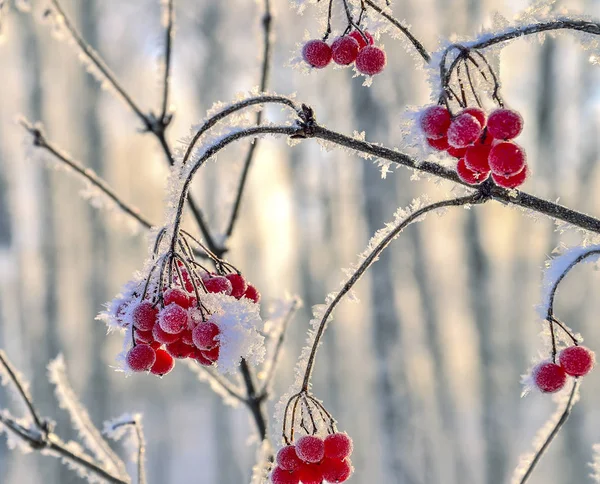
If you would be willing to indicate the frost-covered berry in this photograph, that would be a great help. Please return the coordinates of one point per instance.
(469, 176)
(252, 294)
(505, 124)
(476, 158)
(162, 336)
(310, 448)
(435, 121)
(511, 181)
(336, 470)
(506, 158)
(164, 363)
(477, 113)
(173, 319)
(200, 358)
(316, 53)
(238, 285)
(144, 316)
(549, 377)
(456, 152)
(371, 60)
(288, 459)
(178, 349)
(362, 43)
(576, 360)
(218, 284)
(143, 336)
(155, 345)
(440, 144)
(344, 50)
(140, 357)
(464, 130)
(204, 335)
(186, 337)
(338, 446)
(282, 476)
(177, 296)
(212, 355)
(310, 473)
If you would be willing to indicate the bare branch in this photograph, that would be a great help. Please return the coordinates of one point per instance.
(170, 17)
(136, 424)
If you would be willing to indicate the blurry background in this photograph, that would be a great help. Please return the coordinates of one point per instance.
(424, 372)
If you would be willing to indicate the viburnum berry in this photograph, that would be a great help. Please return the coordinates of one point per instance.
(282, 476)
(317, 53)
(310, 448)
(143, 336)
(338, 445)
(200, 358)
(310, 473)
(477, 113)
(362, 43)
(344, 50)
(252, 294)
(238, 285)
(212, 355)
(506, 158)
(371, 60)
(336, 470)
(140, 357)
(549, 377)
(288, 459)
(155, 345)
(177, 296)
(178, 349)
(456, 152)
(164, 363)
(576, 360)
(173, 319)
(440, 144)
(464, 130)
(144, 316)
(505, 124)
(476, 158)
(204, 335)
(186, 337)
(218, 284)
(162, 336)
(511, 181)
(469, 176)
(435, 121)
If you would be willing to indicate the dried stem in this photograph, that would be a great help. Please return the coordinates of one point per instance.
(141, 453)
(168, 51)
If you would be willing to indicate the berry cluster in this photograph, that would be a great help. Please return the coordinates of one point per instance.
(574, 361)
(356, 47)
(178, 325)
(483, 144)
(313, 460)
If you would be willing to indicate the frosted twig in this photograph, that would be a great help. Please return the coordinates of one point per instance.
(222, 382)
(136, 424)
(169, 14)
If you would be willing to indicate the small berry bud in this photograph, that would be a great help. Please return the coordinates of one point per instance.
(576, 360)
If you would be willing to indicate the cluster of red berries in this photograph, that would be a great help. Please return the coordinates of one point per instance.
(575, 361)
(314, 460)
(483, 144)
(179, 328)
(355, 47)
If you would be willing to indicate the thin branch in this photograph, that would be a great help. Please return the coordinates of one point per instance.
(561, 421)
(139, 433)
(403, 28)
(254, 402)
(223, 383)
(168, 51)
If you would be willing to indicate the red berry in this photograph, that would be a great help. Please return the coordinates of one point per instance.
(212, 355)
(204, 335)
(287, 458)
(440, 144)
(469, 176)
(164, 363)
(310, 474)
(477, 113)
(486, 138)
(143, 336)
(338, 446)
(435, 121)
(505, 124)
(140, 357)
(456, 152)
(144, 316)
(511, 181)
(576, 360)
(252, 294)
(238, 285)
(178, 349)
(476, 158)
(155, 345)
(310, 448)
(344, 50)
(173, 319)
(218, 284)
(464, 130)
(200, 358)
(370, 60)
(549, 377)
(186, 337)
(336, 470)
(316, 53)
(282, 476)
(163, 337)
(176, 296)
(506, 159)
(356, 35)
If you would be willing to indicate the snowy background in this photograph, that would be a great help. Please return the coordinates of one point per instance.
(424, 373)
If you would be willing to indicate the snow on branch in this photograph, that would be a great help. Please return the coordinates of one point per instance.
(128, 425)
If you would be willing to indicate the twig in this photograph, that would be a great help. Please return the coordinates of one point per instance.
(254, 401)
(168, 51)
(139, 433)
